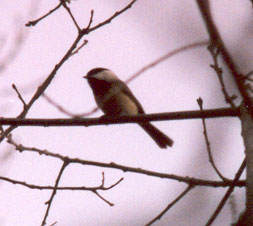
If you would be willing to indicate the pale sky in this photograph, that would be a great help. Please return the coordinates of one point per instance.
(145, 32)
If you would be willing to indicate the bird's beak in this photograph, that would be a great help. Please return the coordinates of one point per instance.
(85, 77)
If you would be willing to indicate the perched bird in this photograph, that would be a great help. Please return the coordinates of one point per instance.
(114, 98)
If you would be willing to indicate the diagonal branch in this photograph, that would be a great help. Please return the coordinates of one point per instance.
(49, 202)
(86, 31)
(63, 2)
(217, 41)
(167, 56)
(228, 193)
(72, 188)
(171, 204)
(208, 146)
(219, 73)
(19, 95)
(34, 22)
(51, 76)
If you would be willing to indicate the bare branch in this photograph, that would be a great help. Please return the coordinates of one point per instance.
(51, 76)
(91, 19)
(208, 145)
(167, 56)
(219, 73)
(66, 112)
(34, 22)
(49, 202)
(63, 2)
(107, 21)
(77, 188)
(108, 120)
(248, 75)
(170, 205)
(19, 95)
(59, 107)
(217, 41)
(188, 180)
(80, 47)
(226, 196)
(101, 197)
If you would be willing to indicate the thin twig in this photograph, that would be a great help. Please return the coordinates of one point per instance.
(51, 76)
(107, 21)
(58, 106)
(208, 145)
(91, 19)
(19, 96)
(248, 75)
(66, 112)
(226, 196)
(219, 73)
(101, 197)
(171, 204)
(112, 165)
(53, 224)
(34, 22)
(216, 40)
(49, 202)
(70, 13)
(80, 47)
(65, 188)
(167, 56)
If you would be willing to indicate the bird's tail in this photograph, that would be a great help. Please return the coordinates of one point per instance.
(159, 137)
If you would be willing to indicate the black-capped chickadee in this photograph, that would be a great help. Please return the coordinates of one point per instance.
(114, 97)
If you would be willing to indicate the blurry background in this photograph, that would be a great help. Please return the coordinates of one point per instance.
(145, 32)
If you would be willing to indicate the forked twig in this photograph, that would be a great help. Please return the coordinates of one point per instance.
(226, 196)
(49, 202)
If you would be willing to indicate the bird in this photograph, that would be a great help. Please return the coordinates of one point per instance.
(114, 98)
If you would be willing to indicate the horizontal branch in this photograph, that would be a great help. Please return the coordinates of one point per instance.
(189, 180)
(211, 113)
(48, 187)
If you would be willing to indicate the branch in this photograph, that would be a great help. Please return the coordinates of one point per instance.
(47, 82)
(70, 13)
(247, 134)
(217, 41)
(49, 202)
(171, 204)
(219, 73)
(208, 145)
(33, 23)
(80, 47)
(211, 113)
(167, 56)
(86, 31)
(19, 96)
(112, 165)
(226, 196)
(77, 188)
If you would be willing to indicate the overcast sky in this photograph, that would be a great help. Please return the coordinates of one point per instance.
(136, 38)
